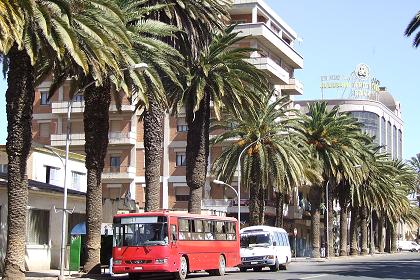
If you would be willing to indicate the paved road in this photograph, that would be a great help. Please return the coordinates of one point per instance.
(398, 266)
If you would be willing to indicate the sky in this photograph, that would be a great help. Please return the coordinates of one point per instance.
(337, 36)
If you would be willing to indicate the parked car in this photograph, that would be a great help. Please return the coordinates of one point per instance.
(408, 246)
(264, 246)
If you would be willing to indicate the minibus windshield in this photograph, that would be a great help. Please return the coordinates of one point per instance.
(255, 240)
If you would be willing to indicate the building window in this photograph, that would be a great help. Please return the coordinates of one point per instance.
(115, 163)
(181, 125)
(394, 143)
(44, 98)
(78, 98)
(38, 227)
(77, 179)
(52, 175)
(389, 137)
(399, 144)
(370, 123)
(180, 159)
(182, 193)
(44, 130)
(383, 134)
(3, 168)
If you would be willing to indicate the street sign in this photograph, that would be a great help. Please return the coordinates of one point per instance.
(295, 231)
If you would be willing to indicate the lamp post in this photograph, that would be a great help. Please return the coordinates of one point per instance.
(138, 67)
(327, 234)
(218, 182)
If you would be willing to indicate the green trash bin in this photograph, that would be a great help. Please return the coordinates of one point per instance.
(75, 248)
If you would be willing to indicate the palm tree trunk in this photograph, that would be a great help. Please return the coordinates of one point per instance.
(388, 237)
(96, 123)
(394, 238)
(354, 234)
(19, 104)
(315, 198)
(381, 237)
(153, 139)
(279, 209)
(343, 229)
(197, 152)
(364, 229)
(330, 222)
(261, 208)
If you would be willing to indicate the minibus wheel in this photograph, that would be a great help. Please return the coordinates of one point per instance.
(181, 274)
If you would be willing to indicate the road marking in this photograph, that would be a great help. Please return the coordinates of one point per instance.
(314, 276)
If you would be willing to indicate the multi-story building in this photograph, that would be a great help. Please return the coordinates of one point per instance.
(124, 175)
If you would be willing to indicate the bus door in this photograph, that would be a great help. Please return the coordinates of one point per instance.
(173, 242)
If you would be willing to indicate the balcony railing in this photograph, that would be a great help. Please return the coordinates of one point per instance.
(119, 172)
(122, 138)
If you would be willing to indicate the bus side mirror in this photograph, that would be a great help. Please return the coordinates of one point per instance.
(274, 243)
(174, 237)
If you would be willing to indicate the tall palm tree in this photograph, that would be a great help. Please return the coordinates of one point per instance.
(41, 27)
(333, 137)
(273, 162)
(195, 22)
(412, 28)
(106, 46)
(220, 75)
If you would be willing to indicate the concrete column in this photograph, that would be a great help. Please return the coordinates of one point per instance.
(165, 175)
(254, 15)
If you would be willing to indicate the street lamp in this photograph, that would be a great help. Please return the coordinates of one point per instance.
(218, 182)
(138, 67)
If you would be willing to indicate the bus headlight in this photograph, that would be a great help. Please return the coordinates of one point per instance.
(161, 261)
(117, 261)
(269, 257)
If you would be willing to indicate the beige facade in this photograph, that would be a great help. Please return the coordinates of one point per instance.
(123, 175)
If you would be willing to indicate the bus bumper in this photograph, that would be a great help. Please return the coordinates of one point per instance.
(139, 268)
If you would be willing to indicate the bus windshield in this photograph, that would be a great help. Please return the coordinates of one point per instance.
(140, 231)
(255, 240)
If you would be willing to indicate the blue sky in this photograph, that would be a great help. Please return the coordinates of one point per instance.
(338, 35)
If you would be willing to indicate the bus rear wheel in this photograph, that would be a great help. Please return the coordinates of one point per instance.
(181, 274)
(222, 267)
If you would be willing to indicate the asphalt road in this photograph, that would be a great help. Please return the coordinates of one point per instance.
(397, 266)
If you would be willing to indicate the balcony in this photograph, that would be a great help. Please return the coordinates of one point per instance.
(118, 173)
(294, 87)
(269, 38)
(76, 139)
(79, 107)
(122, 138)
(216, 204)
(276, 72)
(293, 212)
(270, 208)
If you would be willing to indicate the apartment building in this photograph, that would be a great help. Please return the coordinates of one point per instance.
(123, 177)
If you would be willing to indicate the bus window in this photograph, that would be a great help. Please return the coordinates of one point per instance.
(184, 229)
(173, 233)
(220, 231)
(231, 230)
(197, 230)
(208, 229)
(277, 238)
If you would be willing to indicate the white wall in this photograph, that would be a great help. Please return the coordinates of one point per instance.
(41, 160)
(42, 257)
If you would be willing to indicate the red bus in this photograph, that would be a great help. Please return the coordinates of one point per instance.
(174, 242)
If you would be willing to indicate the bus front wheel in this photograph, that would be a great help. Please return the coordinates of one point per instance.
(181, 274)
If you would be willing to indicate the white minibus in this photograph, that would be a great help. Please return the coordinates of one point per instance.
(264, 246)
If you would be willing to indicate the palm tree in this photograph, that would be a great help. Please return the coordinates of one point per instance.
(195, 22)
(220, 75)
(412, 28)
(273, 162)
(105, 44)
(333, 136)
(37, 28)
